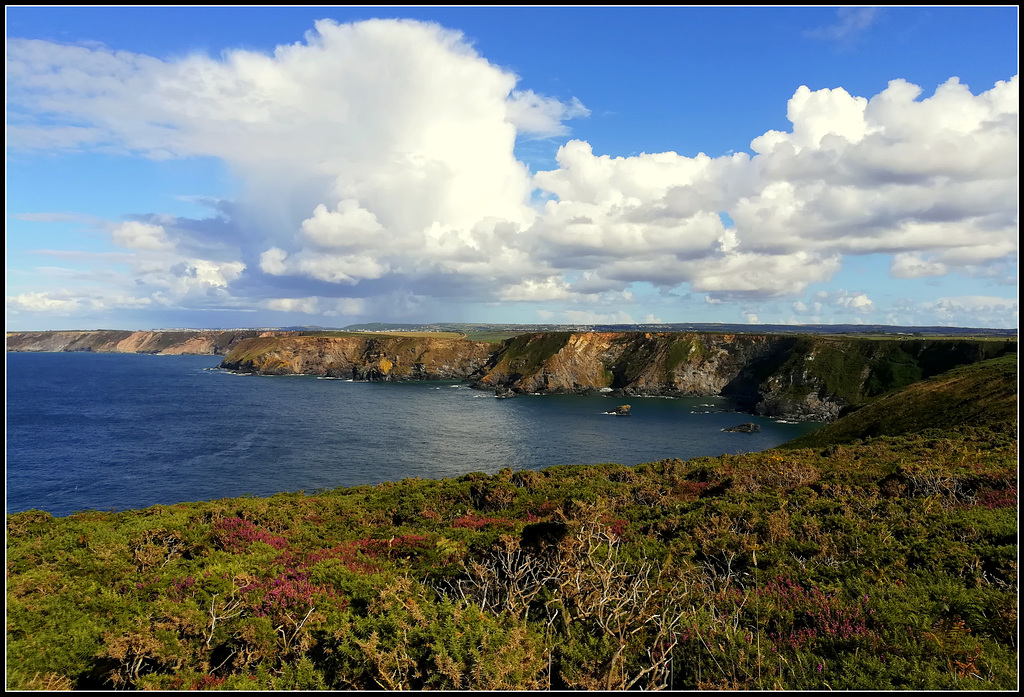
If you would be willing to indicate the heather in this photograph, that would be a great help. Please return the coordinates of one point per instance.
(887, 563)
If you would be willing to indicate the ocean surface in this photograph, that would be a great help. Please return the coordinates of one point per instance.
(120, 431)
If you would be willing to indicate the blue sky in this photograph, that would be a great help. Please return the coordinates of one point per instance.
(222, 167)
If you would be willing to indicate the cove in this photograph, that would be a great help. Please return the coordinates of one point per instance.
(125, 431)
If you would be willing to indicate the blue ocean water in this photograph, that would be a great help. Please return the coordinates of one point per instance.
(120, 431)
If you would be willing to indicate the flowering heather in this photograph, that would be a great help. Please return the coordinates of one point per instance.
(288, 592)
(235, 535)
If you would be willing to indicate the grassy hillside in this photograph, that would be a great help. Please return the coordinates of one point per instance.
(858, 370)
(983, 394)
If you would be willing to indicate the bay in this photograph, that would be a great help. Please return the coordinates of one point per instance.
(124, 431)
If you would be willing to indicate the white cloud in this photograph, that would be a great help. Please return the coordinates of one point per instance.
(855, 176)
(330, 307)
(542, 116)
(854, 302)
(811, 311)
(305, 305)
(42, 302)
(136, 235)
(536, 291)
(910, 265)
(346, 307)
(67, 302)
(590, 317)
(963, 311)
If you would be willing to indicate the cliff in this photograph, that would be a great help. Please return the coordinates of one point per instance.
(787, 376)
(214, 343)
(361, 357)
(631, 363)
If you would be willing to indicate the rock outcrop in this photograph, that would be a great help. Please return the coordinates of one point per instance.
(362, 357)
(743, 428)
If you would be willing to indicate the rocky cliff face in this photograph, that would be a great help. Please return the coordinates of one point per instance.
(633, 363)
(361, 357)
(185, 342)
(805, 378)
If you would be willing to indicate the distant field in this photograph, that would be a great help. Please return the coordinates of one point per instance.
(432, 335)
(930, 337)
(492, 337)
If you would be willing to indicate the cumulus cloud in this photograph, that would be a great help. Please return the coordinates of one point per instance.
(67, 303)
(136, 235)
(891, 174)
(42, 302)
(911, 265)
(331, 307)
(377, 160)
(541, 116)
(854, 302)
(536, 291)
(591, 317)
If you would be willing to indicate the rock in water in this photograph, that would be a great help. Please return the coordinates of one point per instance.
(621, 410)
(743, 428)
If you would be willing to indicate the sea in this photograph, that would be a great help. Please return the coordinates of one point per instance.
(94, 431)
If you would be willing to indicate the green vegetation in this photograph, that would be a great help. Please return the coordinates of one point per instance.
(525, 354)
(859, 370)
(251, 350)
(492, 337)
(983, 394)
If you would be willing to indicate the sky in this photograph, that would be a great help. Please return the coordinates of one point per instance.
(259, 167)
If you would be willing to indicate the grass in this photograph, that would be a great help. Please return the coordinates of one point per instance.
(526, 353)
(982, 394)
(491, 337)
